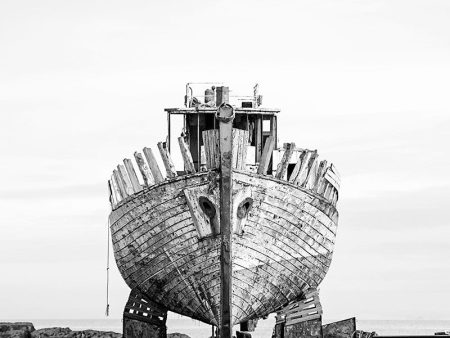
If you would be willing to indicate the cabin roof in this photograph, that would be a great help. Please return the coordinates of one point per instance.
(213, 110)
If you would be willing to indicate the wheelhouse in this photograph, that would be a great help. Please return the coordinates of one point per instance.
(199, 112)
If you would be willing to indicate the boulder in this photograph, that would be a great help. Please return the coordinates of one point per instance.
(16, 330)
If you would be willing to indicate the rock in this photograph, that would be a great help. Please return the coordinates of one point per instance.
(177, 335)
(60, 332)
(16, 330)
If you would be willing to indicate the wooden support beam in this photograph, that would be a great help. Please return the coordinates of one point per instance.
(225, 114)
(153, 165)
(187, 156)
(125, 179)
(144, 169)
(266, 155)
(282, 166)
(132, 175)
(167, 160)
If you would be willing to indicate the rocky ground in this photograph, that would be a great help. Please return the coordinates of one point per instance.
(27, 330)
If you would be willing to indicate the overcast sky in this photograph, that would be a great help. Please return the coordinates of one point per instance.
(83, 84)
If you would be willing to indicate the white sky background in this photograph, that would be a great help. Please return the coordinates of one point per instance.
(83, 84)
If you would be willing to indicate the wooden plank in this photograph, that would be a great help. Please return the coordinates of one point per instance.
(282, 166)
(125, 179)
(132, 175)
(112, 199)
(312, 173)
(241, 148)
(235, 149)
(332, 177)
(120, 184)
(147, 175)
(298, 166)
(187, 156)
(153, 165)
(319, 175)
(266, 155)
(303, 319)
(258, 139)
(116, 191)
(206, 149)
(303, 171)
(167, 160)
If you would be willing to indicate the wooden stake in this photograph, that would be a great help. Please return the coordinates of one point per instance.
(187, 156)
(120, 184)
(154, 168)
(125, 179)
(167, 160)
(132, 174)
(143, 168)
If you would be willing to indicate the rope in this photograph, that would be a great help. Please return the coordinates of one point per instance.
(107, 274)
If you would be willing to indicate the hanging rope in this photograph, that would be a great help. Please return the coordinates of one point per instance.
(107, 275)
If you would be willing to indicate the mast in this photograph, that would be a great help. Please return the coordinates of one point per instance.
(225, 115)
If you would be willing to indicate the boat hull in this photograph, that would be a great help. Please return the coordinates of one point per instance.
(167, 246)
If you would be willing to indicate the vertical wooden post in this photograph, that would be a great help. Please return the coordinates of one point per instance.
(225, 115)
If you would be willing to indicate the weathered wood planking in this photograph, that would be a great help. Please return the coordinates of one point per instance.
(125, 179)
(212, 148)
(284, 249)
(132, 175)
(144, 169)
(167, 160)
(187, 156)
(266, 155)
(153, 165)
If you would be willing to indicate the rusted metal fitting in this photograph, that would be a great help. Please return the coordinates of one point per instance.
(225, 113)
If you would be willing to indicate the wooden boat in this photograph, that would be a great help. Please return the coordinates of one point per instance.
(244, 229)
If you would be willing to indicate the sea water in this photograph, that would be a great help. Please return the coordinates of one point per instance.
(196, 329)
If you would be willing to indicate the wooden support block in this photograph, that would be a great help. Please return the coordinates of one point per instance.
(187, 156)
(266, 155)
(132, 175)
(120, 183)
(144, 169)
(282, 166)
(153, 165)
(167, 160)
(341, 329)
(258, 138)
(125, 179)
